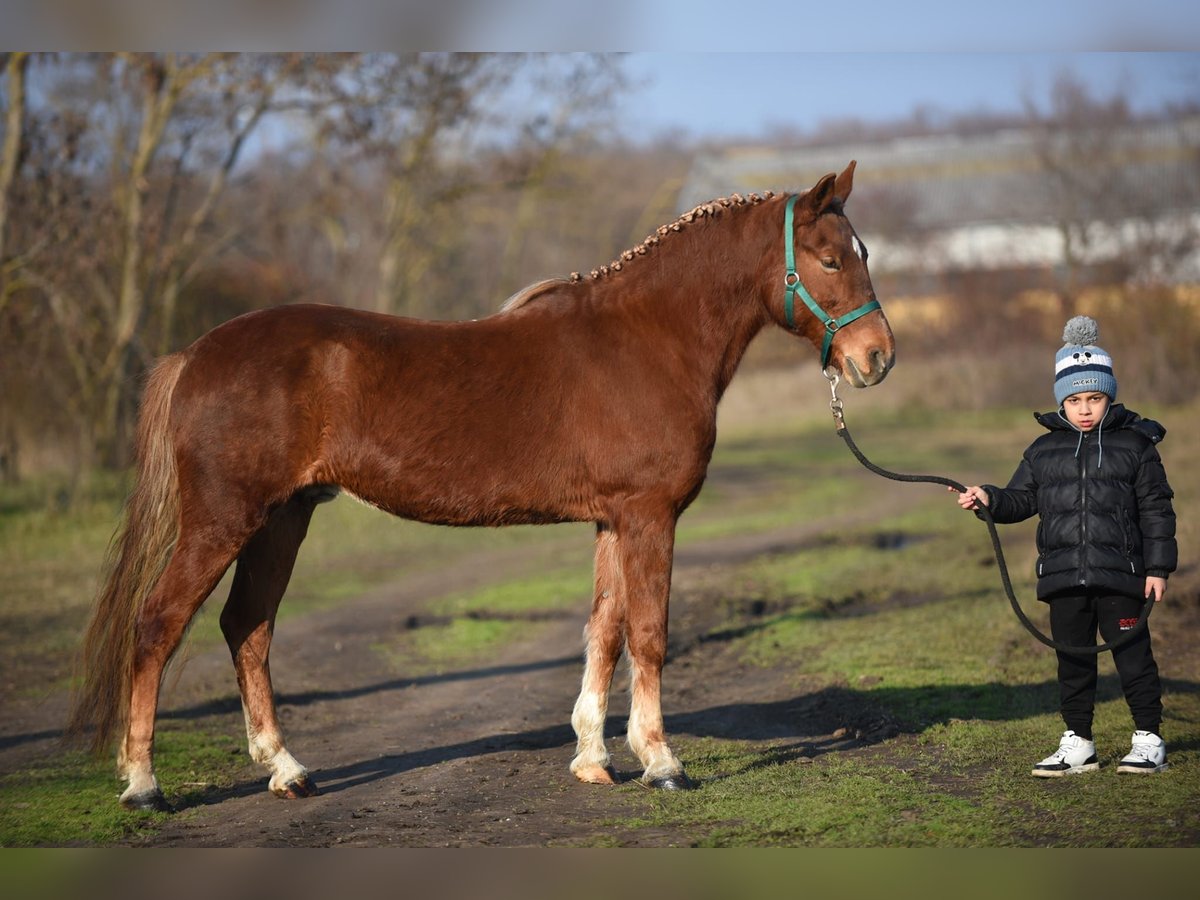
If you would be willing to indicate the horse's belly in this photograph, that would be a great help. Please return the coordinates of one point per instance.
(449, 498)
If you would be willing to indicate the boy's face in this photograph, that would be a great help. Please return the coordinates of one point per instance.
(1086, 411)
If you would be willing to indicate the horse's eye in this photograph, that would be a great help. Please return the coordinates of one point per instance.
(830, 264)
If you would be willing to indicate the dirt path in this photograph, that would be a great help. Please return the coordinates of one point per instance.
(479, 755)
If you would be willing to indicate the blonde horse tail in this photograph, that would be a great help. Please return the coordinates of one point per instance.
(137, 556)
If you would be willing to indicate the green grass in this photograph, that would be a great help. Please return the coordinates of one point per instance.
(435, 649)
(973, 697)
(466, 626)
(547, 592)
(847, 612)
(929, 793)
(764, 799)
(70, 798)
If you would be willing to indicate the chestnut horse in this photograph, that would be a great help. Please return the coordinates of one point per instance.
(584, 399)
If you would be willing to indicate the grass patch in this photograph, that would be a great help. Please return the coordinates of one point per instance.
(920, 634)
(468, 625)
(563, 589)
(442, 646)
(69, 799)
(917, 631)
(962, 784)
(911, 602)
(759, 798)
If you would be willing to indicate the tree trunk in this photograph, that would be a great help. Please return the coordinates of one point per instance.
(10, 153)
(118, 382)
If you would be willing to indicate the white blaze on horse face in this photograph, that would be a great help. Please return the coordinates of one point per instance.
(858, 247)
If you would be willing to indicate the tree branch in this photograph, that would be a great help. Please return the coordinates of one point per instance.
(14, 122)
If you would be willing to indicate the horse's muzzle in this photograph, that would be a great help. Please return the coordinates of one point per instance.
(877, 364)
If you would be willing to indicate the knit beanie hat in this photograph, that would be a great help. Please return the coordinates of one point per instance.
(1080, 366)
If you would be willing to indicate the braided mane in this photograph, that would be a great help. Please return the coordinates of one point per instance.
(704, 210)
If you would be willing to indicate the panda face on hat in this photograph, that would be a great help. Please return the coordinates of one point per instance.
(1080, 365)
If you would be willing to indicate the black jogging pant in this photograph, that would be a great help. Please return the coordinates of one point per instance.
(1073, 620)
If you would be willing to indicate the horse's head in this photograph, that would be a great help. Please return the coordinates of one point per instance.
(825, 292)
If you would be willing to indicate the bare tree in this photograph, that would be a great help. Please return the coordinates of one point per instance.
(134, 153)
(14, 65)
(551, 148)
(118, 205)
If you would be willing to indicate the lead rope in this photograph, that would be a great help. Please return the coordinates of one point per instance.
(839, 420)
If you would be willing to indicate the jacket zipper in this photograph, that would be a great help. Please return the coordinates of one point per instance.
(1084, 511)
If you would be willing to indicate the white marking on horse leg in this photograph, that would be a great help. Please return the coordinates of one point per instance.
(591, 755)
(603, 639)
(267, 748)
(138, 773)
(647, 737)
(142, 783)
(288, 774)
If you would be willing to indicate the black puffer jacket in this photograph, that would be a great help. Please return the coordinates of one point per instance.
(1104, 502)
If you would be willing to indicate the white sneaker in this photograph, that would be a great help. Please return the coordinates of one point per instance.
(1149, 754)
(1073, 756)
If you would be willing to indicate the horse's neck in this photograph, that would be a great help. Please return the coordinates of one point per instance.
(703, 296)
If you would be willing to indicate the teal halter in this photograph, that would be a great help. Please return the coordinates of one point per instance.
(792, 287)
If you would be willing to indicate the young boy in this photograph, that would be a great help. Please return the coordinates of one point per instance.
(1106, 544)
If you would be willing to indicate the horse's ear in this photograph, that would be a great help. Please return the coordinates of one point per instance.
(845, 182)
(817, 199)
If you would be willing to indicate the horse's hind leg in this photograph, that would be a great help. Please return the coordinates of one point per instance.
(197, 563)
(264, 568)
(604, 636)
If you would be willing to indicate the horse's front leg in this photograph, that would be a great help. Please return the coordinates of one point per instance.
(645, 547)
(604, 635)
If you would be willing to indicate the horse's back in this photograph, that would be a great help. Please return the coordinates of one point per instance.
(440, 421)
(496, 421)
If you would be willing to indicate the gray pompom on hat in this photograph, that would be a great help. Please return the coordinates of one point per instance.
(1081, 366)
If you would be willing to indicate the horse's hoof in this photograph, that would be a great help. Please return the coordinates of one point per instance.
(294, 790)
(597, 775)
(147, 801)
(676, 782)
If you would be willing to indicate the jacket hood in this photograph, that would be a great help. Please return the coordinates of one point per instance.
(1117, 418)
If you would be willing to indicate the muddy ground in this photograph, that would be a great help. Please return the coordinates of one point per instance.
(478, 755)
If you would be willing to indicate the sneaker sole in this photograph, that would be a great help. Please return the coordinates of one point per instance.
(1139, 770)
(1058, 773)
